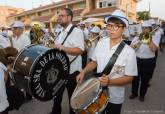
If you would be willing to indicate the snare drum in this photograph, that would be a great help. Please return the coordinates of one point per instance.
(89, 97)
(41, 71)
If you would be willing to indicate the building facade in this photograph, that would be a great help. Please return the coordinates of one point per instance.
(81, 9)
(6, 11)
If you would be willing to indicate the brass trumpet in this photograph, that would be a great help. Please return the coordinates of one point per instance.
(144, 38)
(88, 42)
(147, 38)
(49, 41)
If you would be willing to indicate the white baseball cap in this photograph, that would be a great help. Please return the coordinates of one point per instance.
(18, 24)
(146, 24)
(152, 21)
(95, 29)
(120, 15)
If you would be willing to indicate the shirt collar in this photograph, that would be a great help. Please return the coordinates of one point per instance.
(115, 46)
(68, 27)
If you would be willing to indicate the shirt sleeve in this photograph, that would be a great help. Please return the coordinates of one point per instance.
(78, 39)
(156, 39)
(4, 42)
(131, 65)
(135, 40)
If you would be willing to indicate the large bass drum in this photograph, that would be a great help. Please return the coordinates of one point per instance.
(41, 71)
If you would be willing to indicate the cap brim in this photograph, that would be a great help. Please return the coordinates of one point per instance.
(125, 20)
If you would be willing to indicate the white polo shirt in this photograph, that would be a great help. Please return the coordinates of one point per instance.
(125, 65)
(3, 97)
(75, 39)
(21, 42)
(4, 42)
(144, 52)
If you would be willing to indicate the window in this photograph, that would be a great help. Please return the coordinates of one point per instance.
(100, 5)
(106, 3)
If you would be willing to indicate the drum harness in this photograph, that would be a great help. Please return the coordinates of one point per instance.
(112, 60)
(71, 29)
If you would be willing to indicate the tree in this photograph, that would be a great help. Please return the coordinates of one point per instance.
(143, 15)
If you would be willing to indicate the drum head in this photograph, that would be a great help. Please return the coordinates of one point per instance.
(85, 94)
(48, 74)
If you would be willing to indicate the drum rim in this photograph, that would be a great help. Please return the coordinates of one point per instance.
(94, 99)
(33, 64)
(98, 95)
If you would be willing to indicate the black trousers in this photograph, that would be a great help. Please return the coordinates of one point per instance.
(145, 71)
(112, 109)
(71, 84)
(4, 112)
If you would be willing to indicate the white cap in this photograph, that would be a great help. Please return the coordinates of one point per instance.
(95, 29)
(152, 21)
(44, 30)
(82, 23)
(120, 15)
(130, 22)
(18, 24)
(146, 24)
(57, 30)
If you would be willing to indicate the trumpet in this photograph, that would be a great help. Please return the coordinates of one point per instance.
(144, 38)
(49, 41)
(147, 38)
(88, 42)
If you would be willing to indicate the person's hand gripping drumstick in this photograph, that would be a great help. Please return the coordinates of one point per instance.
(104, 80)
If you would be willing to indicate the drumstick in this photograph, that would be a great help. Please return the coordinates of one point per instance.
(88, 88)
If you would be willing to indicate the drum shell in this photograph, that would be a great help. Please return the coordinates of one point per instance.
(89, 97)
(23, 65)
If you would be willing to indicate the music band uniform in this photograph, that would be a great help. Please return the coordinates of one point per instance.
(124, 69)
(74, 40)
(146, 61)
(3, 96)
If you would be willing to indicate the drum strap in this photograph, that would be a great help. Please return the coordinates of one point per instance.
(113, 59)
(71, 29)
(11, 41)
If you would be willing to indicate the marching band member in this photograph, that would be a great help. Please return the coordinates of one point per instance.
(19, 39)
(94, 33)
(4, 41)
(123, 70)
(84, 29)
(146, 61)
(6, 58)
(71, 41)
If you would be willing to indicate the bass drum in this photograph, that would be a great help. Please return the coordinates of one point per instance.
(41, 71)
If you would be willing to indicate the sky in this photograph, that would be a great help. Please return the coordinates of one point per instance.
(157, 7)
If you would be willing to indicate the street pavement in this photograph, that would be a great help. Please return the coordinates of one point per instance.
(154, 101)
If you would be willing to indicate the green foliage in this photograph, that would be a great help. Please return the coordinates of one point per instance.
(143, 15)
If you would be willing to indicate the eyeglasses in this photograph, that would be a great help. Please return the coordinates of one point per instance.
(113, 27)
(15, 28)
(62, 15)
